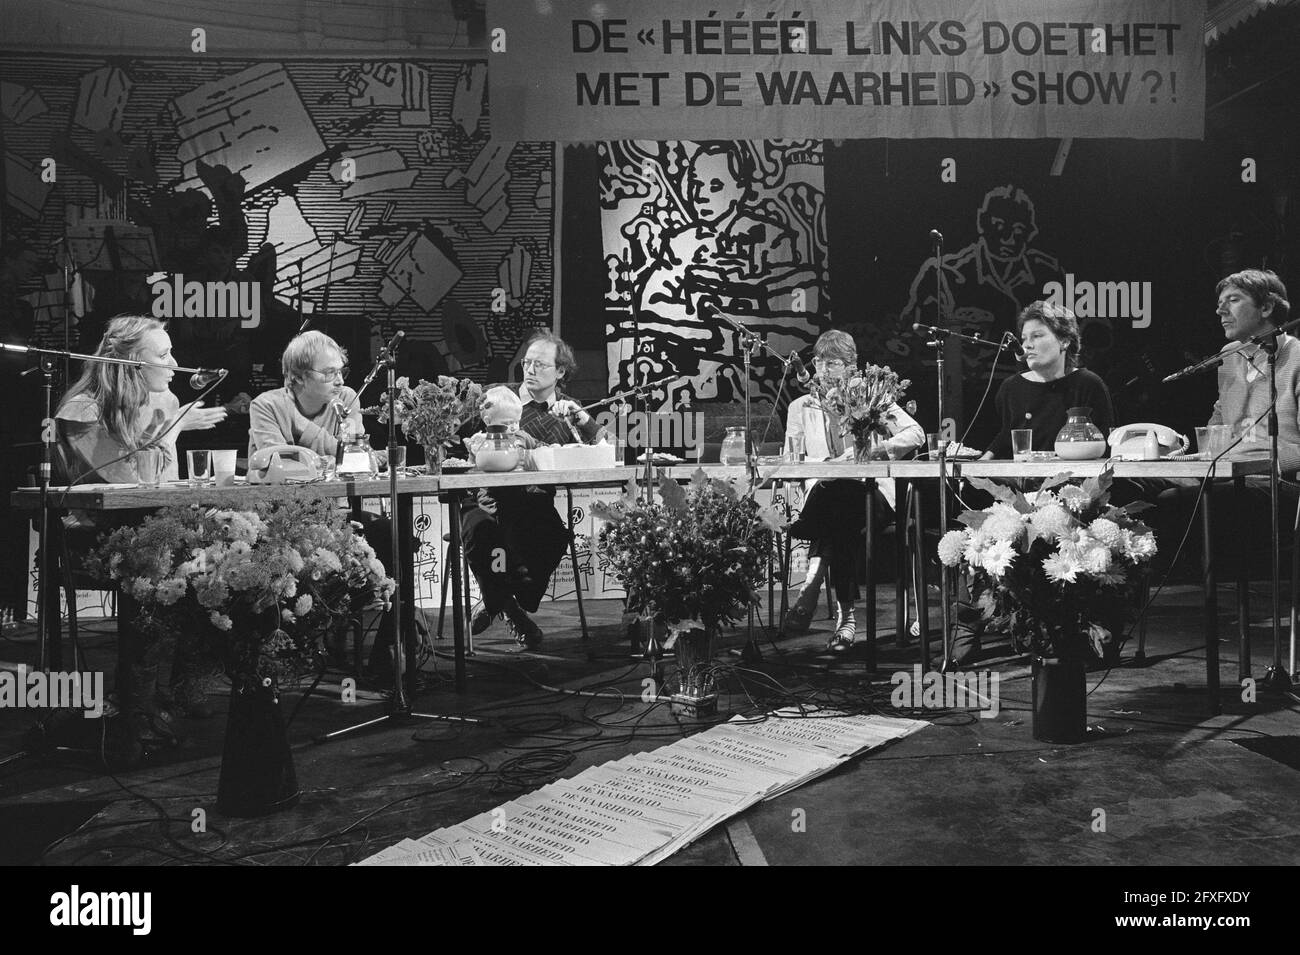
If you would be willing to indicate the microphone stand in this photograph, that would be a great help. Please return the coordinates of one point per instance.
(938, 338)
(399, 704)
(1275, 676)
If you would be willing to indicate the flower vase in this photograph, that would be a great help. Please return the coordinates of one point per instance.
(869, 446)
(257, 774)
(696, 693)
(1060, 700)
(433, 459)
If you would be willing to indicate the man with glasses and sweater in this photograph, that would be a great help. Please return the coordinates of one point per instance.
(522, 523)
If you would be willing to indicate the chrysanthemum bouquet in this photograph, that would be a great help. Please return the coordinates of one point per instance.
(694, 559)
(267, 584)
(1060, 573)
(861, 400)
(433, 411)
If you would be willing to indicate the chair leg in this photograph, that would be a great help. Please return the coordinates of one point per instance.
(446, 579)
(1145, 595)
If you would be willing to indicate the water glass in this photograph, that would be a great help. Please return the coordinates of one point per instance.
(200, 467)
(1202, 440)
(149, 466)
(932, 444)
(223, 465)
(1218, 438)
(794, 448)
(1022, 444)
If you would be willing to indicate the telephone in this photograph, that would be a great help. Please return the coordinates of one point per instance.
(282, 463)
(1128, 441)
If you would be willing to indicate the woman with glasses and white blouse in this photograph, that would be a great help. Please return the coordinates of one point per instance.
(834, 512)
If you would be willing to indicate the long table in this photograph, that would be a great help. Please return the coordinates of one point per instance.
(1234, 470)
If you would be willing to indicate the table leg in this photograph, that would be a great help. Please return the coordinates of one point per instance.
(457, 600)
(869, 532)
(900, 563)
(923, 585)
(573, 559)
(1243, 586)
(1211, 604)
(404, 528)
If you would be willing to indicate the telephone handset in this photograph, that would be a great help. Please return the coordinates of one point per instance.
(1130, 440)
(282, 463)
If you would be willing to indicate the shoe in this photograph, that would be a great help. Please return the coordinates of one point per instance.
(526, 633)
(844, 635)
(480, 620)
(799, 617)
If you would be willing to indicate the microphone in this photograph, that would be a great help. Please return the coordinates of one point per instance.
(391, 347)
(206, 376)
(936, 235)
(801, 373)
(929, 329)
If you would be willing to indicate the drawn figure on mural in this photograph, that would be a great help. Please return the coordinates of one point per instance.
(726, 245)
(986, 284)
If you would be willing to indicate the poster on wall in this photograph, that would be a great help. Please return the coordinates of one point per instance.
(574, 71)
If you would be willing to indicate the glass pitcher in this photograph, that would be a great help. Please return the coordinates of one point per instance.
(356, 458)
(733, 447)
(499, 450)
(1080, 439)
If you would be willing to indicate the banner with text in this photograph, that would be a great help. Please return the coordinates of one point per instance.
(565, 70)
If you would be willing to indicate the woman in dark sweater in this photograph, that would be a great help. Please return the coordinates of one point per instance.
(1040, 397)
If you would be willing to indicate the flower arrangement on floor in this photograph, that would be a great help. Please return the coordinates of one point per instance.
(694, 559)
(1060, 573)
(432, 412)
(861, 400)
(267, 584)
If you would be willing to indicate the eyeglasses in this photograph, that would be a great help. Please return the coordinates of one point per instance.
(534, 363)
(329, 374)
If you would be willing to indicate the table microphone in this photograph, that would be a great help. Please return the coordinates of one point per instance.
(801, 373)
(206, 376)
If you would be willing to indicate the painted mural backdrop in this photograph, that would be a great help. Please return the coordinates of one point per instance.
(692, 230)
(369, 189)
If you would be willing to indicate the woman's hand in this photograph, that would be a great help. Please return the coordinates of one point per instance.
(200, 418)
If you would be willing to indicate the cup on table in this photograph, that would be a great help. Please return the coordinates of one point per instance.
(396, 458)
(932, 445)
(1203, 440)
(794, 448)
(1022, 444)
(223, 466)
(1218, 437)
(199, 467)
(148, 466)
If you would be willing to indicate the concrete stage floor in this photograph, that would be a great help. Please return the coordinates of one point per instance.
(1157, 782)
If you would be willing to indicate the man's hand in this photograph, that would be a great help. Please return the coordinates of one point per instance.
(238, 404)
(566, 407)
(201, 419)
(486, 501)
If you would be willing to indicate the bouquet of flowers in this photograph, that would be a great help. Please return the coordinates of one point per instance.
(433, 411)
(693, 561)
(266, 584)
(861, 400)
(1060, 573)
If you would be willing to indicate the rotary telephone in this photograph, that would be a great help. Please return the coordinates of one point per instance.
(1128, 441)
(282, 463)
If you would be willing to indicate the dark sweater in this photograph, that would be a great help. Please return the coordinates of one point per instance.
(1042, 406)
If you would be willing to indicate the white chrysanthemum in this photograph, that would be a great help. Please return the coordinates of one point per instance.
(1004, 527)
(1074, 497)
(975, 544)
(220, 620)
(1061, 568)
(951, 547)
(1052, 522)
(141, 589)
(998, 557)
(1095, 559)
(1106, 531)
(302, 605)
(1140, 546)
(170, 591)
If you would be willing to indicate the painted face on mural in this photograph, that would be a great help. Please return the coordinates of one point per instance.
(1006, 228)
(713, 190)
(1240, 317)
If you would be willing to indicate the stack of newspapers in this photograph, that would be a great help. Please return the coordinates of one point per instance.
(641, 809)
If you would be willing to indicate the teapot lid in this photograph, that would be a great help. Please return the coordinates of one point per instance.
(1082, 410)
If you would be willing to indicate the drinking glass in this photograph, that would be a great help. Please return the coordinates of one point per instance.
(223, 464)
(148, 466)
(794, 448)
(1022, 444)
(200, 467)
